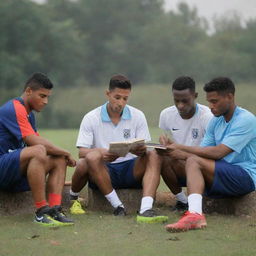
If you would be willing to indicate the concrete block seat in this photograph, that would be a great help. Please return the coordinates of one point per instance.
(239, 206)
(131, 198)
(22, 202)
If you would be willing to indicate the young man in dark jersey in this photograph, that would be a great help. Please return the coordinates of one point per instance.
(26, 158)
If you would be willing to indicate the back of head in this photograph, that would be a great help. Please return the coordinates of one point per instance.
(221, 85)
(119, 81)
(37, 81)
(183, 83)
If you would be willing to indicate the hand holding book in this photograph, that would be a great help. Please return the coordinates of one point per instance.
(122, 148)
(160, 148)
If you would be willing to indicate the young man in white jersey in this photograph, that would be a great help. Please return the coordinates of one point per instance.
(116, 121)
(186, 122)
(224, 165)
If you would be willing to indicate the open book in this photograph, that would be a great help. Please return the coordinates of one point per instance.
(122, 148)
(155, 146)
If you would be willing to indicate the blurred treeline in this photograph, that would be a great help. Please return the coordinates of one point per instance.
(81, 43)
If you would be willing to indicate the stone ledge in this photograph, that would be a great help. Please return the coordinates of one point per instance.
(131, 198)
(20, 203)
(239, 206)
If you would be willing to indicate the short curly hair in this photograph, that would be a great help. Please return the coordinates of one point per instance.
(220, 85)
(38, 80)
(183, 83)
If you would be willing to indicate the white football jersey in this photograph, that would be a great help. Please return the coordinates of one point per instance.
(188, 132)
(97, 130)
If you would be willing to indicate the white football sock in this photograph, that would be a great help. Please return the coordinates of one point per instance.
(195, 203)
(146, 203)
(181, 197)
(73, 195)
(114, 200)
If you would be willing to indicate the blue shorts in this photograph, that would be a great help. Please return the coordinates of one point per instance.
(11, 178)
(229, 180)
(121, 175)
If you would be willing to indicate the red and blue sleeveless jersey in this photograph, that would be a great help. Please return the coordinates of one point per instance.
(15, 124)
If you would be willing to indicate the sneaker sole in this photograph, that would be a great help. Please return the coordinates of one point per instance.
(49, 224)
(77, 213)
(158, 219)
(177, 230)
(63, 224)
(54, 224)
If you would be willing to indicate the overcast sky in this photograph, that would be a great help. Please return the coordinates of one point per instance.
(208, 8)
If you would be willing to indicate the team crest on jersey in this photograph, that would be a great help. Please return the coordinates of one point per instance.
(127, 133)
(195, 133)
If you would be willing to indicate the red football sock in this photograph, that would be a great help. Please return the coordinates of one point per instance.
(54, 199)
(40, 204)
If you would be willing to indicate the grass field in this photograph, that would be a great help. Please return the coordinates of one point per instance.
(101, 234)
(67, 107)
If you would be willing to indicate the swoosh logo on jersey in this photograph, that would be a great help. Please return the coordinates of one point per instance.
(175, 129)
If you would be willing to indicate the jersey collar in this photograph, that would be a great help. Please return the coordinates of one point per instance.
(126, 114)
(20, 100)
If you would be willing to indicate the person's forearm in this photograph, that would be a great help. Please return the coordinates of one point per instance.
(84, 151)
(205, 152)
(51, 149)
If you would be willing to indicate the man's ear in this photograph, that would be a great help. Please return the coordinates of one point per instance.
(230, 96)
(107, 93)
(28, 91)
(196, 95)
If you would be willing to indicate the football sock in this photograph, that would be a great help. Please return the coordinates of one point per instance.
(146, 203)
(114, 200)
(181, 197)
(40, 204)
(73, 195)
(195, 203)
(54, 199)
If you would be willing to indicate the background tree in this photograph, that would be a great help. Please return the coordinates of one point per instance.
(81, 43)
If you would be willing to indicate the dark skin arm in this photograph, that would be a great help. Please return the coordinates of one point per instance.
(212, 152)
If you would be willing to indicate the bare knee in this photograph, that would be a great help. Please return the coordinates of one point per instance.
(154, 159)
(154, 156)
(95, 164)
(81, 167)
(39, 153)
(57, 161)
(192, 160)
(93, 158)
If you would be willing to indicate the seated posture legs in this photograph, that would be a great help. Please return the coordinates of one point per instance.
(133, 173)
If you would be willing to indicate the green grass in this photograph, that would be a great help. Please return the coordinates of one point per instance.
(100, 234)
(103, 234)
(151, 99)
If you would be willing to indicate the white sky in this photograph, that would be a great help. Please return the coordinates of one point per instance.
(208, 8)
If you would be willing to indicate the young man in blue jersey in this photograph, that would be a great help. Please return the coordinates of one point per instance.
(224, 165)
(26, 158)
